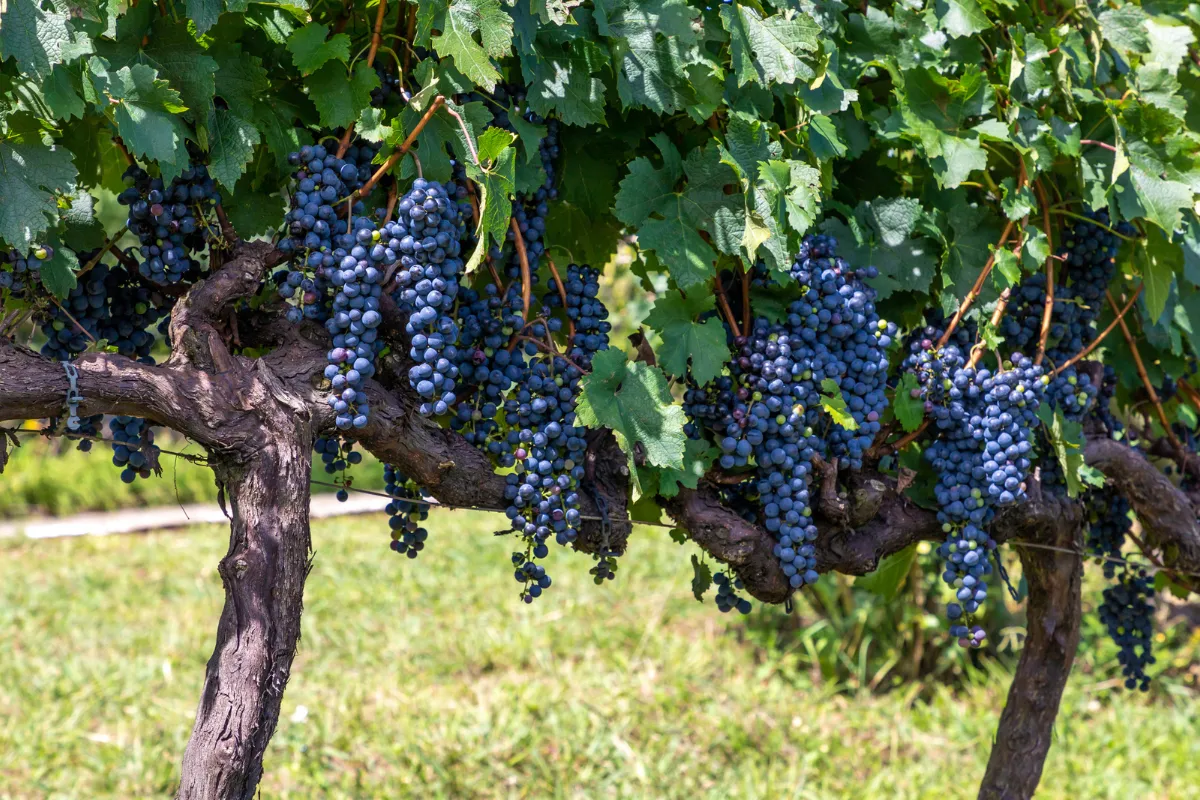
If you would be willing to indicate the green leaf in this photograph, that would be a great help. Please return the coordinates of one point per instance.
(241, 79)
(38, 39)
(1162, 200)
(1157, 259)
(642, 191)
(146, 113)
(1168, 42)
(974, 231)
(58, 274)
(653, 44)
(465, 18)
(701, 578)
(1006, 268)
(633, 399)
(495, 181)
(1124, 28)
(771, 49)
(793, 189)
(311, 47)
(697, 460)
(1016, 204)
(673, 316)
(1066, 440)
(690, 259)
(82, 230)
(182, 63)
(204, 13)
(908, 266)
(31, 175)
(584, 238)
(61, 95)
(890, 575)
(824, 140)
(909, 410)
(833, 402)
(961, 17)
(564, 84)
(231, 145)
(340, 98)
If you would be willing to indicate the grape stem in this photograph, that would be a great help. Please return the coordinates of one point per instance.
(344, 142)
(1048, 308)
(745, 299)
(1110, 148)
(562, 295)
(523, 256)
(973, 294)
(395, 157)
(227, 232)
(1141, 370)
(723, 301)
(82, 329)
(391, 204)
(1084, 353)
(1097, 223)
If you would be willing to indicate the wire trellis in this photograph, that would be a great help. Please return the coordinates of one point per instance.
(196, 458)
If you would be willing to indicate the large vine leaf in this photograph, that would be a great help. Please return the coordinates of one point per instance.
(145, 110)
(684, 339)
(463, 19)
(632, 398)
(38, 39)
(31, 175)
(769, 49)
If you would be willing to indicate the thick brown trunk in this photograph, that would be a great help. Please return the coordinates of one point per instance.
(263, 575)
(1027, 723)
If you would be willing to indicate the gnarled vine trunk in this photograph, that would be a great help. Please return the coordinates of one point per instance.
(1027, 722)
(263, 574)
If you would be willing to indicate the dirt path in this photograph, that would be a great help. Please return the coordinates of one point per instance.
(135, 520)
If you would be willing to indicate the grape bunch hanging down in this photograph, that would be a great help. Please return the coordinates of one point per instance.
(133, 447)
(171, 222)
(405, 513)
(16, 268)
(767, 412)
(427, 238)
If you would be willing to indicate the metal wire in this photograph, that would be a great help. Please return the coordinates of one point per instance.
(1149, 567)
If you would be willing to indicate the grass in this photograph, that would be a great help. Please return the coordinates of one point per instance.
(54, 478)
(428, 679)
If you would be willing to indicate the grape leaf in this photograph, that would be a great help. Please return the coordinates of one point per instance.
(495, 180)
(1066, 440)
(1157, 259)
(701, 578)
(909, 410)
(58, 273)
(564, 83)
(690, 259)
(673, 316)
(61, 95)
(241, 79)
(1161, 200)
(31, 174)
(890, 575)
(769, 49)
(81, 229)
(653, 45)
(231, 145)
(145, 111)
(961, 17)
(642, 191)
(461, 21)
(311, 49)
(698, 458)
(833, 402)
(204, 13)
(633, 399)
(181, 62)
(909, 266)
(793, 189)
(340, 98)
(38, 39)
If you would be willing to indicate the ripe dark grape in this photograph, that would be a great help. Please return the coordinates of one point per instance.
(133, 447)
(727, 594)
(172, 222)
(405, 514)
(1129, 616)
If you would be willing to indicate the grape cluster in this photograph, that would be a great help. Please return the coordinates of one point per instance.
(354, 319)
(727, 594)
(848, 338)
(318, 223)
(767, 412)
(132, 311)
(132, 439)
(171, 222)
(20, 268)
(336, 454)
(389, 85)
(427, 237)
(1129, 616)
(405, 514)
(71, 325)
(984, 423)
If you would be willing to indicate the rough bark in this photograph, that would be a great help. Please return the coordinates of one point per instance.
(263, 574)
(1027, 722)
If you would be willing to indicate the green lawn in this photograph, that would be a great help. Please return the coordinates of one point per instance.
(428, 679)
